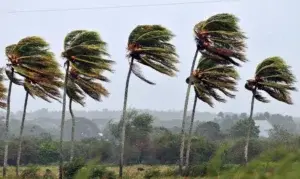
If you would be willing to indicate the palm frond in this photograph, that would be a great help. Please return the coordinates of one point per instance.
(150, 45)
(88, 57)
(211, 79)
(31, 59)
(274, 77)
(221, 35)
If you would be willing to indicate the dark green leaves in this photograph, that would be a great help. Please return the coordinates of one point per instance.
(88, 57)
(210, 80)
(31, 59)
(150, 45)
(274, 77)
(221, 35)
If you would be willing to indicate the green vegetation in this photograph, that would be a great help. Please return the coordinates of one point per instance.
(231, 148)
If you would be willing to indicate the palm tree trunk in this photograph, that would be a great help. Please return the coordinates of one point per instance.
(21, 134)
(7, 129)
(249, 127)
(73, 130)
(190, 134)
(185, 113)
(123, 122)
(62, 125)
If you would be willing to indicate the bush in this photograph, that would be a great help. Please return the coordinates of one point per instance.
(30, 173)
(102, 172)
(49, 174)
(70, 169)
(197, 170)
(152, 173)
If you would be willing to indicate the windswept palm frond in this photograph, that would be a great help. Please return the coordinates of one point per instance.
(221, 36)
(210, 80)
(87, 55)
(274, 77)
(150, 45)
(31, 59)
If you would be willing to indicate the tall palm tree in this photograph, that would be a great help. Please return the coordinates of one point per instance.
(30, 58)
(274, 77)
(78, 86)
(148, 45)
(85, 54)
(210, 79)
(221, 38)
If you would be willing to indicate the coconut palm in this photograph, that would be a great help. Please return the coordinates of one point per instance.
(3, 90)
(86, 57)
(148, 45)
(78, 86)
(209, 80)
(30, 58)
(220, 37)
(274, 77)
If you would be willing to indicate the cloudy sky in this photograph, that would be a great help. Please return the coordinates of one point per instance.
(271, 25)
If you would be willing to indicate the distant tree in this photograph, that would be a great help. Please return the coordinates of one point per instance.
(148, 45)
(209, 130)
(274, 77)
(221, 38)
(239, 130)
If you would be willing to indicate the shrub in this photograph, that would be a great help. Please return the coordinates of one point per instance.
(30, 173)
(152, 173)
(70, 169)
(101, 172)
(49, 174)
(197, 170)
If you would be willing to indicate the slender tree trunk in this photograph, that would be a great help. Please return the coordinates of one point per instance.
(123, 121)
(185, 113)
(21, 135)
(6, 132)
(249, 127)
(62, 125)
(73, 130)
(187, 161)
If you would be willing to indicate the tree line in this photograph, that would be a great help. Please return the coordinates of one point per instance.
(219, 40)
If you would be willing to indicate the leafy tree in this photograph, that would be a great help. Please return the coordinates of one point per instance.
(210, 130)
(208, 80)
(274, 77)
(240, 128)
(221, 38)
(148, 45)
(30, 58)
(85, 53)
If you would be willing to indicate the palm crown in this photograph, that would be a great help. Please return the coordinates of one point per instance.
(274, 77)
(221, 37)
(150, 45)
(87, 55)
(31, 59)
(210, 78)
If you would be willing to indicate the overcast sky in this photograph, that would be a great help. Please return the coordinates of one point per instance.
(272, 27)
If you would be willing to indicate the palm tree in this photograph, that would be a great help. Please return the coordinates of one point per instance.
(30, 58)
(85, 53)
(78, 86)
(274, 77)
(148, 45)
(208, 80)
(221, 38)
(3, 91)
